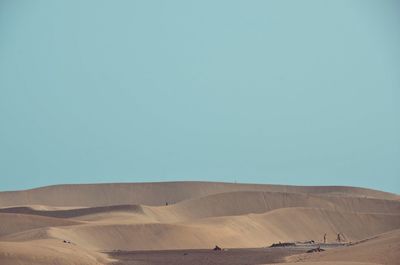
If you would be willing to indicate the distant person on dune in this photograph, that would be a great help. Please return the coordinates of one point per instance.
(339, 239)
(324, 238)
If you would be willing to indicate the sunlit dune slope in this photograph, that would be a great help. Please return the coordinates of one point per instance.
(381, 249)
(103, 217)
(222, 204)
(244, 202)
(47, 252)
(253, 230)
(13, 223)
(158, 193)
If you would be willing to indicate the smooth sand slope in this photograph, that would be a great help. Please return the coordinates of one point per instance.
(14, 223)
(253, 230)
(48, 251)
(381, 249)
(107, 217)
(158, 193)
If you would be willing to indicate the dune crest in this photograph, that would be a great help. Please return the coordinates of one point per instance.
(82, 221)
(158, 193)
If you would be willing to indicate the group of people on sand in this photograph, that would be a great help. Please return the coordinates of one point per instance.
(339, 237)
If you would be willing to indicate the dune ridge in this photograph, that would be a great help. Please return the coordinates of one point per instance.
(70, 213)
(134, 216)
(253, 230)
(158, 193)
(222, 204)
(13, 223)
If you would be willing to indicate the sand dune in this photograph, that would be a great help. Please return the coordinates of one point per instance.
(106, 217)
(244, 202)
(39, 252)
(74, 212)
(254, 230)
(222, 204)
(158, 193)
(13, 223)
(381, 249)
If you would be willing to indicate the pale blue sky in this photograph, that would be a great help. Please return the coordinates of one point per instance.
(290, 92)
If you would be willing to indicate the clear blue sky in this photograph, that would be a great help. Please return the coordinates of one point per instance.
(290, 92)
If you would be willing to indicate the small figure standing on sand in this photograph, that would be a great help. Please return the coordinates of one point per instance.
(339, 239)
(324, 238)
(166, 203)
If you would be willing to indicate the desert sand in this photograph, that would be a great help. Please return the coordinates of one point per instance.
(83, 224)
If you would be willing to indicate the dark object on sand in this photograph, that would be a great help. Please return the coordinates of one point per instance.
(318, 249)
(67, 242)
(307, 242)
(284, 244)
(217, 248)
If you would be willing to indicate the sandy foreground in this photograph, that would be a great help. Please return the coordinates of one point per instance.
(180, 222)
